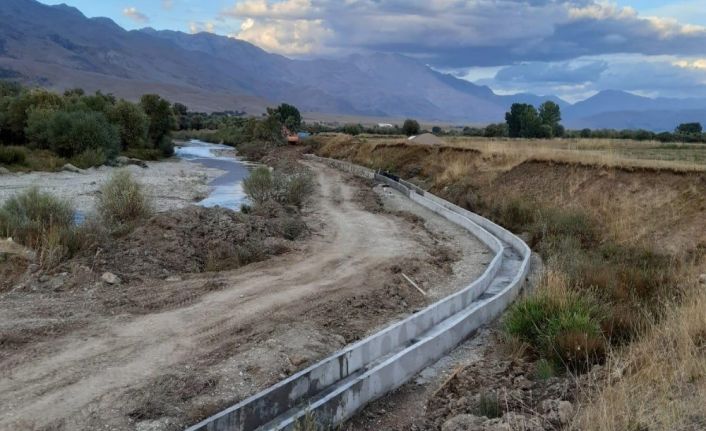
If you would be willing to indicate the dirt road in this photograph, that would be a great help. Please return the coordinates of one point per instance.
(258, 324)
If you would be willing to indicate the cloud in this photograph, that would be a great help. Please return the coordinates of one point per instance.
(665, 76)
(136, 15)
(199, 27)
(459, 33)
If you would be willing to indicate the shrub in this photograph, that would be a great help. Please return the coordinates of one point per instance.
(298, 188)
(91, 158)
(29, 215)
(123, 202)
(13, 155)
(260, 186)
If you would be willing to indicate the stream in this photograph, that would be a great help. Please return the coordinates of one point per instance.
(227, 190)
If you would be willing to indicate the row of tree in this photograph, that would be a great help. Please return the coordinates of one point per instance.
(74, 123)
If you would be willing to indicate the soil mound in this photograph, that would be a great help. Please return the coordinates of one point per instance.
(197, 239)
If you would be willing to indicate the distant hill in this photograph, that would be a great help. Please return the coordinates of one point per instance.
(58, 47)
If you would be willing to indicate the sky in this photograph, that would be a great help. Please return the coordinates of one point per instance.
(569, 48)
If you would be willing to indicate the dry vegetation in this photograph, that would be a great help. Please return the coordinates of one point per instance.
(621, 226)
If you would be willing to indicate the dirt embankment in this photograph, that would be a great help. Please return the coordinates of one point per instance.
(165, 349)
(658, 207)
(636, 211)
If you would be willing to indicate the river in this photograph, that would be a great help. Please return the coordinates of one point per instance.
(227, 190)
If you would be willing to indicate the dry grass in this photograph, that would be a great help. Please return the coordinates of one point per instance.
(621, 153)
(647, 203)
(657, 383)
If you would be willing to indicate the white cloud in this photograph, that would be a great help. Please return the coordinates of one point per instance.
(198, 27)
(136, 15)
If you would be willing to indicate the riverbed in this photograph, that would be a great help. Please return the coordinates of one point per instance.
(226, 189)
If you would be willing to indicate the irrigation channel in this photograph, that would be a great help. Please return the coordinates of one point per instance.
(337, 387)
(227, 189)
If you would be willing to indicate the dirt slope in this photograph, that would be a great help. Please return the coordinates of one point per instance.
(173, 367)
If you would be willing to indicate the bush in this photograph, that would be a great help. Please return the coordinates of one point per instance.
(12, 155)
(259, 186)
(91, 158)
(40, 221)
(298, 188)
(122, 201)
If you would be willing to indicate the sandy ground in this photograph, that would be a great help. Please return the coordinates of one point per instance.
(172, 183)
(243, 330)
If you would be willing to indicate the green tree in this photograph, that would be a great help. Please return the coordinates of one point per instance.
(436, 130)
(132, 123)
(69, 133)
(497, 130)
(410, 127)
(19, 108)
(550, 115)
(523, 121)
(287, 115)
(162, 122)
(689, 129)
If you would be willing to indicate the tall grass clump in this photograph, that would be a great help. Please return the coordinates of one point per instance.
(122, 202)
(12, 155)
(40, 221)
(560, 324)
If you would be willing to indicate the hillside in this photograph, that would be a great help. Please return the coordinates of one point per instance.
(58, 47)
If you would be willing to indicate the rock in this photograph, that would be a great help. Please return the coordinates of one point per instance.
(702, 279)
(463, 423)
(71, 168)
(4, 171)
(124, 161)
(110, 278)
(515, 421)
(522, 382)
(56, 283)
(297, 360)
(558, 412)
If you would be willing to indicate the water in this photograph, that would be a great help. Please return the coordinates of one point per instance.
(227, 190)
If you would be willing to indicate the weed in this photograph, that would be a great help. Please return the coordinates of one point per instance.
(544, 370)
(489, 406)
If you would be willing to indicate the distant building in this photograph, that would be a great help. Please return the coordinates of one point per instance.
(425, 139)
(385, 126)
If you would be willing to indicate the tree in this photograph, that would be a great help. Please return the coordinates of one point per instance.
(352, 129)
(436, 130)
(410, 127)
(132, 123)
(287, 115)
(523, 121)
(497, 130)
(162, 122)
(72, 133)
(689, 129)
(550, 115)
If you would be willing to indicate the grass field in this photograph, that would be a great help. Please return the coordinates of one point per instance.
(606, 152)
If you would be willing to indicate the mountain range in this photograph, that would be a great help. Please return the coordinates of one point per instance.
(58, 47)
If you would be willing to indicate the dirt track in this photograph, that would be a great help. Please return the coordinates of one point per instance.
(256, 325)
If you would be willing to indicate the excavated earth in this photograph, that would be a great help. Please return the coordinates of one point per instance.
(190, 328)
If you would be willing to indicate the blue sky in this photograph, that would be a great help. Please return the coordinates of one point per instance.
(571, 48)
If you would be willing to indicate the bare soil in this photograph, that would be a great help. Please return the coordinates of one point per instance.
(162, 351)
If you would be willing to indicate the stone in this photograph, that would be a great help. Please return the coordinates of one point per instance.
(71, 168)
(124, 161)
(56, 283)
(522, 382)
(297, 360)
(702, 279)
(4, 171)
(110, 278)
(558, 412)
(464, 422)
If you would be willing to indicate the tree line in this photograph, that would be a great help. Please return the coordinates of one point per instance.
(73, 124)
